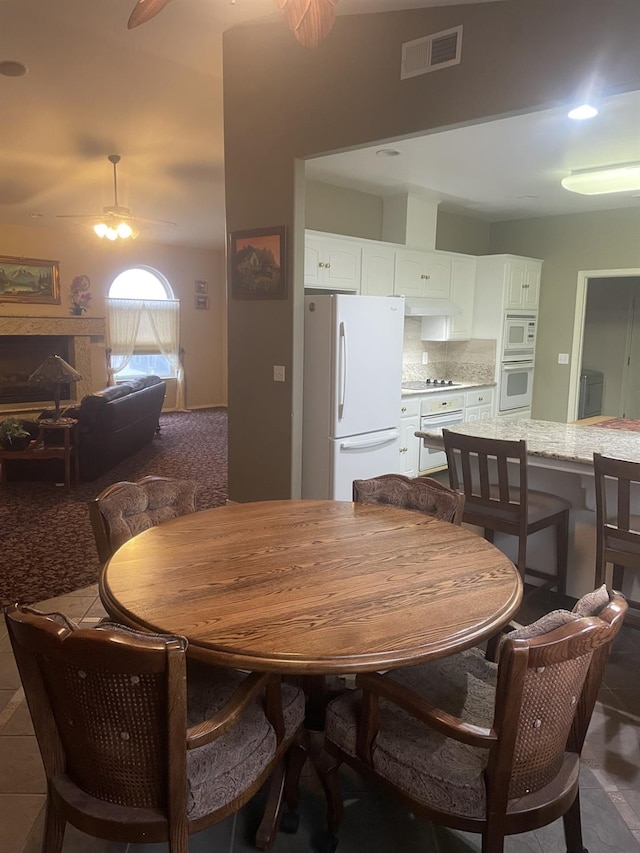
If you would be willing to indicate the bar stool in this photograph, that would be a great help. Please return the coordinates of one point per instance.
(493, 475)
(617, 530)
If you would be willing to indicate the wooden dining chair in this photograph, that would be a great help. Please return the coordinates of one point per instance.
(123, 510)
(617, 486)
(140, 745)
(492, 474)
(479, 746)
(421, 493)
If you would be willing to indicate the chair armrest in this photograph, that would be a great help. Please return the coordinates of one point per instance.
(382, 687)
(209, 730)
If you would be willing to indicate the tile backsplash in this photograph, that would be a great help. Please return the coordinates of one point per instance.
(461, 361)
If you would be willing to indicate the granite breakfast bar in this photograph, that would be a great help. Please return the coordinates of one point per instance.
(560, 461)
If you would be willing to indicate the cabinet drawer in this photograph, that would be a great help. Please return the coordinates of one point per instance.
(436, 404)
(410, 407)
(479, 397)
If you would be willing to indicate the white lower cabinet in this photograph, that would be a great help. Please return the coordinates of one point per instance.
(479, 404)
(409, 444)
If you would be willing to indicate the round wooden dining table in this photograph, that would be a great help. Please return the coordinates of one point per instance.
(313, 587)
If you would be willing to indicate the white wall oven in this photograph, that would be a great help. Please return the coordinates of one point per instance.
(519, 339)
(516, 385)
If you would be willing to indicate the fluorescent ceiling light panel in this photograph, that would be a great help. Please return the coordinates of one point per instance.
(612, 179)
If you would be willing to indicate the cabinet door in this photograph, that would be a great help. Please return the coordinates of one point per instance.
(515, 272)
(342, 262)
(409, 446)
(531, 285)
(377, 270)
(410, 275)
(472, 413)
(463, 275)
(485, 412)
(437, 269)
(312, 261)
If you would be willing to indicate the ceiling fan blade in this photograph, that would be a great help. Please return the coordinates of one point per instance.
(144, 10)
(310, 20)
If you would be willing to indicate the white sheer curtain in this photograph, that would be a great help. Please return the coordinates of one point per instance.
(143, 324)
(123, 317)
(164, 318)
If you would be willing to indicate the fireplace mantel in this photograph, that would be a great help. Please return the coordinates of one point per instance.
(80, 331)
(72, 326)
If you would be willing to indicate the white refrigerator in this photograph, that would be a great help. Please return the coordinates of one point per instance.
(352, 391)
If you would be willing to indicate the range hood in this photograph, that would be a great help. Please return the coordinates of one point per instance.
(420, 306)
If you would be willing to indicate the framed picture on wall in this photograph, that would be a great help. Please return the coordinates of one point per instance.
(257, 263)
(29, 280)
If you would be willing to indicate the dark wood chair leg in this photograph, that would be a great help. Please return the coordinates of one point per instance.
(268, 828)
(489, 534)
(618, 577)
(562, 552)
(573, 828)
(54, 826)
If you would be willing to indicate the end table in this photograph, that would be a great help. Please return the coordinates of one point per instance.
(66, 448)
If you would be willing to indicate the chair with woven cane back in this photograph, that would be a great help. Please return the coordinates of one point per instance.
(421, 493)
(479, 746)
(125, 509)
(617, 487)
(492, 473)
(141, 745)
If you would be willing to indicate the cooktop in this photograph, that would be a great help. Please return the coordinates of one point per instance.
(430, 383)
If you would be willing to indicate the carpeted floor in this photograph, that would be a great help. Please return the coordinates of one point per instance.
(46, 542)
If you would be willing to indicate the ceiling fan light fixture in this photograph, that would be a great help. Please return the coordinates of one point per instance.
(609, 179)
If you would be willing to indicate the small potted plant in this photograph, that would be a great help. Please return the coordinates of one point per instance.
(13, 436)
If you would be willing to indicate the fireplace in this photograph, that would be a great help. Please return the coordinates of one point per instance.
(79, 340)
(20, 355)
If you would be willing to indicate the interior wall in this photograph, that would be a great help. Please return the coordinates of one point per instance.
(459, 233)
(588, 241)
(300, 103)
(79, 252)
(341, 210)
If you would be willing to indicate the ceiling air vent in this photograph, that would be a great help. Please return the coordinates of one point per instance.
(439, 50)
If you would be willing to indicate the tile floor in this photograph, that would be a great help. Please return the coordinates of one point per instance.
(372, 823)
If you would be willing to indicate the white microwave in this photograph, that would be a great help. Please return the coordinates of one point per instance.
(519, 340)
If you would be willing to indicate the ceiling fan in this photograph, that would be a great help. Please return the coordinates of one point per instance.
(116, 221)
(310, 20)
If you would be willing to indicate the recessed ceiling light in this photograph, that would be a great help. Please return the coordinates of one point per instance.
(35, 216)
(387, 152)
(528, 196)
(582, 112)
(8, 68)
(622, 178)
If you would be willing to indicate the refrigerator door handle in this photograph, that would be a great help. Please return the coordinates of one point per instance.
(378, 440)
(342, 370)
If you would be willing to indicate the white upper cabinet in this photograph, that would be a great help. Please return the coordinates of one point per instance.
(463, 282)
(332, 262)
(377, 270)
(522, 283)
(422, 274)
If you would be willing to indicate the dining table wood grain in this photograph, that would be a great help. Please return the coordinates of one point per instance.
(313, 587)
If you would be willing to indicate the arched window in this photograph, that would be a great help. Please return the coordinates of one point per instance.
(144, 326)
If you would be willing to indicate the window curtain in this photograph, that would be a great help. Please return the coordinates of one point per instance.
(123, 324)
(141, 324)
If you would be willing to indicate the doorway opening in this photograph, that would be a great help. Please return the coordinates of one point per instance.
(606, 340)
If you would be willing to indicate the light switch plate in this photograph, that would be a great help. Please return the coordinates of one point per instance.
(563, 358)
(278, 372)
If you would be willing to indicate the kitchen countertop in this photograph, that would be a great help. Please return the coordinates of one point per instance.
(432, 389)
(550, 440)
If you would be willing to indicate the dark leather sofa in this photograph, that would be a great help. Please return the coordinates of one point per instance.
(117, 421)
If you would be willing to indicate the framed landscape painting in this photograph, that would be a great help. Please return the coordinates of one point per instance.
(29, 280)
(257, 264)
